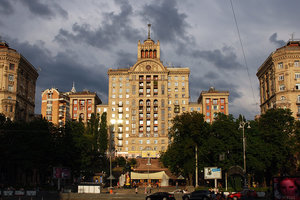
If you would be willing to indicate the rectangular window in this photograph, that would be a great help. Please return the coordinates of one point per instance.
(215, 101)
(11, 66)
(282, 88)
(10, 88)
(222, 100)
(297, 75)
(298, 98)
(297, 86)
(296, 63)
(10, 77)
(207, 100)
(281, 77)
(280, 65)
(133, 89)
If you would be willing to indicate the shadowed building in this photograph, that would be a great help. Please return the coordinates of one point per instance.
(279, 79)
(17, 84)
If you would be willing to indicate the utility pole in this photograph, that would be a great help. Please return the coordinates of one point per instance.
(196, 173)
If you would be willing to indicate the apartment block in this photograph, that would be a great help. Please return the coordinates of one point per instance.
(279, 79)
(55, 106)
(83, 104)
(17, 84)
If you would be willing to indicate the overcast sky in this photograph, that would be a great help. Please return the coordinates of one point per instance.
(80, 40)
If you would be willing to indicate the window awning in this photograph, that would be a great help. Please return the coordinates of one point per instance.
(157, 175)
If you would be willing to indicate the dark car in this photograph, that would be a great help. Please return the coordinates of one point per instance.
(245, 193)
(197, 195)
(160, 196)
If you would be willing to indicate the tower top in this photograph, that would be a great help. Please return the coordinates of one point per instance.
(73, 90)
(149, 27)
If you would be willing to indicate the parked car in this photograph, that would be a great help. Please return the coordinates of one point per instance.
(245, 193)
(197, 195)
(160, 196)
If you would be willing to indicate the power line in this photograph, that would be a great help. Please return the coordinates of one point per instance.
(245, 60)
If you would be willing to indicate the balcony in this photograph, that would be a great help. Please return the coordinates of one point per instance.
(120, 137)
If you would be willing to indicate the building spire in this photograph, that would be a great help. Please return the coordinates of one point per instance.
(149, 26)
(73, 90)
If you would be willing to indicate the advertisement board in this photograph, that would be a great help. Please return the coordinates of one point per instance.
(212, 173)
(286, 188)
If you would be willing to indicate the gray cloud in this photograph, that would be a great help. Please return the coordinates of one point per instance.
(44, 10)
(5, 7)
(273, 39)
(114, 28)
(125, 59)
(62, 69)
(222, 59)
(168, 23)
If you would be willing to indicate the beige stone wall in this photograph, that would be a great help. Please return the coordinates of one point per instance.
(17, 85)
(279, 78)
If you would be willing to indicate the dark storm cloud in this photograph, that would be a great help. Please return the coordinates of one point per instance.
(44, 10)
(114, 28)
(273, 39)
(5, 7)
(222, 59)
(211, 79)
(125, 59)
(168, 23)
(61, 70)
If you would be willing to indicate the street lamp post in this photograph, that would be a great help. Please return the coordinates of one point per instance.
(148, 164)
(242, 126)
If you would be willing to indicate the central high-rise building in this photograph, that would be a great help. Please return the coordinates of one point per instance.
(144, 98)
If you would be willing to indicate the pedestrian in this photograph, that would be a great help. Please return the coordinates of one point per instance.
(136, 190)
(176, 185)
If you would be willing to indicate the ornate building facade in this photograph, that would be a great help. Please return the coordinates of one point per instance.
(144, 98)
(279, 79)
(17, 84)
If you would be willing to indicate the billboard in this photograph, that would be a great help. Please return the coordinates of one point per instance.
(286, 188)
(61, 172)
(212, 173)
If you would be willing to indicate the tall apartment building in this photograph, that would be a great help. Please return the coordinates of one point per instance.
(59, 107)
(55, 106)
(83, 104)
(144, 98)
(279, 79)
(17, 84)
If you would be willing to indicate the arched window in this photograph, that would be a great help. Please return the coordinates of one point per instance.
(154, 54)
(148, 102)
(141, 102)
(150, 54)
(143, 53)
(155, 102)
(147, 54)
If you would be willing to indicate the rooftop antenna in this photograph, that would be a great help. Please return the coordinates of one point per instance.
(149, 26)
(292, 36)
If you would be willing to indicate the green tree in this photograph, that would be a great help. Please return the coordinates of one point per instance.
(277, 131)
(188, 131)
(103, 136)
(224, 142)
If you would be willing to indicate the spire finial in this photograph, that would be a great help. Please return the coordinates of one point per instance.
(73, 90)
(149, 26)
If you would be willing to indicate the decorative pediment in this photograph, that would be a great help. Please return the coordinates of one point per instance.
(148, 65)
